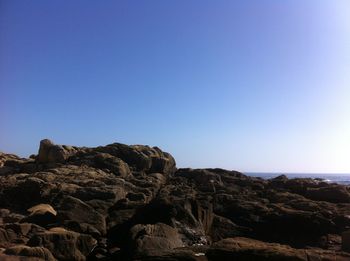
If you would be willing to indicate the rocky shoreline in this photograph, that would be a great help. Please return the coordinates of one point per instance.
(120, 202)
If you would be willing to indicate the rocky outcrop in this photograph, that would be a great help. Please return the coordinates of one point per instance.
(120, 202)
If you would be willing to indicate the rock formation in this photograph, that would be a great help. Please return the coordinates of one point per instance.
(120, 202)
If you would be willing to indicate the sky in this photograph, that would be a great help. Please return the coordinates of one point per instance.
(255, 86)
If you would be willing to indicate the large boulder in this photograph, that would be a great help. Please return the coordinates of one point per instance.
(142, 158)
(112, 163)
(150, 238)
(51, 153)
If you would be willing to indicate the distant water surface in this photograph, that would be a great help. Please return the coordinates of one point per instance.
(328, 177)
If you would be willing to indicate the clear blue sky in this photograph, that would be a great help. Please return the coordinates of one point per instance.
(246, 85)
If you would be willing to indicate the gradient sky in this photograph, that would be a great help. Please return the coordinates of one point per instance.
(245, 85)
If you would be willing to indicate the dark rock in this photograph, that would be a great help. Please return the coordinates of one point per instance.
(21, 191)
(4, 237)
(136, 196)
(281, 178)
(345, 238)
(6, 216)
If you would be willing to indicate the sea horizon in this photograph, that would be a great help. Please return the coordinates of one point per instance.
(340, 178)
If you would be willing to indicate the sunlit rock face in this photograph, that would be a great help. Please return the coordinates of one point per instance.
(121, 202)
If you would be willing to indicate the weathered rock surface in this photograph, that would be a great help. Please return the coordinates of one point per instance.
(120, 202)
(150, 238)
(250, 249)
(39, 252)
(63, 244)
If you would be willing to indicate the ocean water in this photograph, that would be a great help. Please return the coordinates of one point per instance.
(343, 179)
